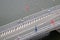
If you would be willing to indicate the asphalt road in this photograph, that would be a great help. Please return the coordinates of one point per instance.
(12, 10)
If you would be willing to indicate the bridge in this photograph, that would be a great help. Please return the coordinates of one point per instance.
(40, 23)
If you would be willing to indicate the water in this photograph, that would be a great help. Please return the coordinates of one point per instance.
(11, 10)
